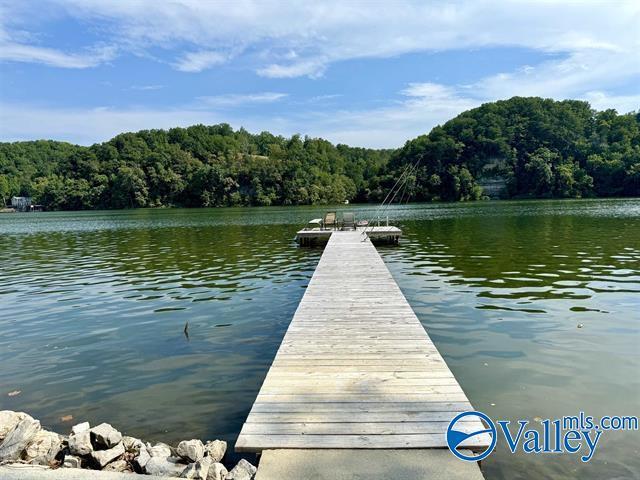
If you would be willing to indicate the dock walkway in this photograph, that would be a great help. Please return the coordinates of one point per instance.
(356, 369)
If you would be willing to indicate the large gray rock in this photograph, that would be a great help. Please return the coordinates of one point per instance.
(191, 450)
(8, 421)
(105, 436)
(159, 450)
(165, 466)
(81, 427)
(132, 444)
(216, 450)
(102, 457)
(142, 458)
(80, 443)
(197, 470)
(71, 461)
(242, 471)
(43, 448)
(217, 471)
(17, 439)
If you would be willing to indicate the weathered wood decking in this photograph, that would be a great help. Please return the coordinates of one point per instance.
(356, 369)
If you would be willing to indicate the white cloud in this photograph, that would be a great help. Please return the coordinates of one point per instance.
(569, 77)
(17, 52)
(199, 61)
(304, 38)
(323, 98)
(87, 126)
(313, 68)
(429, 90)
(425, 105)
(622, 103)
(15, 46)
(235, 99)
(146, 87)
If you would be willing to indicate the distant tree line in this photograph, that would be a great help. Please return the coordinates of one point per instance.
(536, 148)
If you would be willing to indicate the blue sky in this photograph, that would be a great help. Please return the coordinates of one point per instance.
(364, 73)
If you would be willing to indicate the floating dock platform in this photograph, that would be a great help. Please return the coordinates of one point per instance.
(314, 236)
(356, 369)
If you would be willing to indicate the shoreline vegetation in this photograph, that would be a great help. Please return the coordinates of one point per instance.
(517, 148)
(23, 441)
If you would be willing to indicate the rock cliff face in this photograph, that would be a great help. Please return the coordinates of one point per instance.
(493, 187)
(22, 440)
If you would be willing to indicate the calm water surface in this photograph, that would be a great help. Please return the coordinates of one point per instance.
(93, 306)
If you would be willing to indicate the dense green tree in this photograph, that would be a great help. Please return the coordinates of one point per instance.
(538, 179)
(5, 189)
(129, 188)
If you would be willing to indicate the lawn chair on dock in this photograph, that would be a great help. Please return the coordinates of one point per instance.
(348, 221)
(329, 221)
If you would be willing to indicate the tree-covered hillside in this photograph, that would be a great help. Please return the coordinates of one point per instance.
(538, 148)
(534, 147)
(195, 166)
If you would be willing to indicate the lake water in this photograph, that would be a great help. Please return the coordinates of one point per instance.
(93, 306)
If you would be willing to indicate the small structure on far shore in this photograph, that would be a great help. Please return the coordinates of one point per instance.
(21, 204)
(24, 204)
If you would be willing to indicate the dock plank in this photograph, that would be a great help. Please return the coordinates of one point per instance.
(355, 369)
(247, 442)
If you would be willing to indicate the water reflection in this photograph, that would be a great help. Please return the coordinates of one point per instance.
(94, 306)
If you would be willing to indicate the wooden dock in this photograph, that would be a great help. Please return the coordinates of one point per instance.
(311, 236)
(356, 369)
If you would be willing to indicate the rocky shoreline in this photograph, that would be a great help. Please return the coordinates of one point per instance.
(102, 447)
